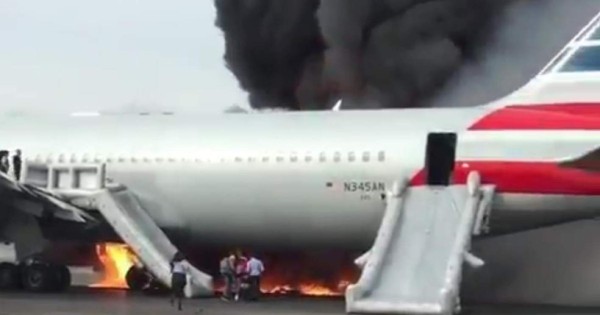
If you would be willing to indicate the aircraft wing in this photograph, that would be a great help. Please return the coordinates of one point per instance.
(18, 195)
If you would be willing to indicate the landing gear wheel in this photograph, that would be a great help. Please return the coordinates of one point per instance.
(155, 287)
(62, 278)
(37, 278)
(136, 278)
(9, 276)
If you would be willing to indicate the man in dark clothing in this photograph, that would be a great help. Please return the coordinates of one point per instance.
(179, 272)
(16, 164)
(4, 165)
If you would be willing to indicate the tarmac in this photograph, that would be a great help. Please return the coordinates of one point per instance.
(105, 302)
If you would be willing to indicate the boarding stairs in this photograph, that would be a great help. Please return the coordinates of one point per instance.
(415, 263)
(85, 186)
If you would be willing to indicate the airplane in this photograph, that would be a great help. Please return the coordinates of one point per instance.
(297, 180)
(589, 162)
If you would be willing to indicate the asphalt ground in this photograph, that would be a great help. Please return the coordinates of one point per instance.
(104, 302)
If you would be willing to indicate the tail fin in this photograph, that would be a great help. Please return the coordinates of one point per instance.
(572, 77)
(589, 36)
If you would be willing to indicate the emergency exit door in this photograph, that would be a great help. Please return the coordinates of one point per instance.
(440, 158)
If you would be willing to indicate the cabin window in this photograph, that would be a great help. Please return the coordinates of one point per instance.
(323, 157)
(238, 159)
(366, 156)
(265, 159)
(280, 159)
(337, 156)
(294, 158)
(308, 158)
(351, 157)
(381, 156)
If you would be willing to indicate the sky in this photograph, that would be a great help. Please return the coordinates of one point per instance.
(113, 55)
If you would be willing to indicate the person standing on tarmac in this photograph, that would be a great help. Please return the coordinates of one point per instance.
(178, 278)
(227, 268)
(240, 274)
(4, 164)
(254, 268)
(16, 164)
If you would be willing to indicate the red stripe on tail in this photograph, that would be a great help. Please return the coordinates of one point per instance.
(563, 116)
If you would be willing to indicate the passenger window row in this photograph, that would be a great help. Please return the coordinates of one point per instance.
(322, 157)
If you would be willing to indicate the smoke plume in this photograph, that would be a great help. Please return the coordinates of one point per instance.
(306, 54)
(268, 46)
(531, 32)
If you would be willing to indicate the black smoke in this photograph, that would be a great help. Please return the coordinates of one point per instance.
(268, 45)
(306, 54)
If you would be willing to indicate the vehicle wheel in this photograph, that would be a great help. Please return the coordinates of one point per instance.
(37, 278)
(62, 278)
(9, 276)
(136, 278)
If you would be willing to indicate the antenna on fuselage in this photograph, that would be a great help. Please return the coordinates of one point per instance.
(337, 106)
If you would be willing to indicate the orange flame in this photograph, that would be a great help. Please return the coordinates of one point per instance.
(319, 290)
(305, 289)
(308, 289)
(116, 259)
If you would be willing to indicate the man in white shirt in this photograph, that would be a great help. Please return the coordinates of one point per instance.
(254, 269)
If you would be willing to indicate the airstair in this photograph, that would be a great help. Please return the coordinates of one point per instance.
(415, 264)
(85, 186)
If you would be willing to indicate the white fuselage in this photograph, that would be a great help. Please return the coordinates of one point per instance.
(274, 180)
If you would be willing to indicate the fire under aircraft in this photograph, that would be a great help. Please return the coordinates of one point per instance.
(409, 187)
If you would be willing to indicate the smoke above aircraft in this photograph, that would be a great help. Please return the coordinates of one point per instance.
(307, 54)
